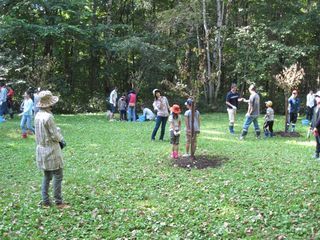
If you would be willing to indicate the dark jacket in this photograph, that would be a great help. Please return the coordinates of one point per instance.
(316, 119)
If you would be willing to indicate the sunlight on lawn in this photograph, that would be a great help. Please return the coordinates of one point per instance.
(220, 139)
(308, 144)
(213, 132)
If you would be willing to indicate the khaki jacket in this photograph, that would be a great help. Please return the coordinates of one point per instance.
(48, 151)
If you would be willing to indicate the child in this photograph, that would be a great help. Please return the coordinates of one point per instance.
(26, 115)
(175, 126)
(196, 126)
(269, 119)
(122, 107)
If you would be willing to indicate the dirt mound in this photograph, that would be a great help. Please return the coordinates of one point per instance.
(199, 162)
(287, 134)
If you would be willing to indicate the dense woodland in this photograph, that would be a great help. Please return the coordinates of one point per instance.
(81, 49)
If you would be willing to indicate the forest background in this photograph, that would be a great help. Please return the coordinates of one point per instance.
(81, 49)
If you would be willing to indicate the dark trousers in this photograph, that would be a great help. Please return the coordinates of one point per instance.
(268, 126)
(123, 115)
(309, 113)
(318, 144)
(163, 122)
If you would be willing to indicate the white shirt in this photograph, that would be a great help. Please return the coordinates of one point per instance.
(310, 100)
(113, 97)
(148, 113)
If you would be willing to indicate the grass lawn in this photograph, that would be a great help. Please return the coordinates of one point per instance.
(123, 186)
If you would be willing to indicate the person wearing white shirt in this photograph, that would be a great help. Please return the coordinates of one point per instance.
(113, 102)
(310, 105)
(149, 115)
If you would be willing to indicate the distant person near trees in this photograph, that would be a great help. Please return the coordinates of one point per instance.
(147, 113)
(252, 113)
(310, 105)
(175, 128)
(161, 106)
(3, 100)
(232, 100)
(113, 102)
(26, 120)
(132, 100)
(35, 101)
(10, 95)
(269, 120)
(315, 125)
(122, 107)
(293, 108)
(48, 151)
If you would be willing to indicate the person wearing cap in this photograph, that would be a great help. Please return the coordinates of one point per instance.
(315, 125)
(188, 122)
(252, 113)
(175, 127)
(293, 109)
(269, 120)
(161, 106)
(26, 120)
(310, 105)
(232, 100)
(49, 143)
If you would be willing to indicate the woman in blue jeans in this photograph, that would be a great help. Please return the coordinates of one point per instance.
(26, 119)
(161, 105)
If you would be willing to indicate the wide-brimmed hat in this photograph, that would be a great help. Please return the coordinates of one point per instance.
(155, 90)
(175, 109)
(46, 99)
(269, 103)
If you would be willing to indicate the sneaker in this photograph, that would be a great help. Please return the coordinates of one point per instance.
(241, 138)
(44, 205)
(316, 156)
(175, 155)
(186, 155)
(63, 206)
(172, 155)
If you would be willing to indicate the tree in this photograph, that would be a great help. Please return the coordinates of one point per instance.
(288, 79)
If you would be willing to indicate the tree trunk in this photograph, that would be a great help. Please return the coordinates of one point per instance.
(193, 134)
(286, 111)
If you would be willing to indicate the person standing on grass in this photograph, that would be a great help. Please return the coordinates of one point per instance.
(132, 100)
(232, 100)
(293, 108)
(10, 95)
(26, 114)
(188, 122)
(175, 127)
(48, 151)
(122, 107)
(269, 120)
(35, 101)
(161, 106)
(315, 125)
(252, 113)
(3, 100)
(113, 102)
(310, 105)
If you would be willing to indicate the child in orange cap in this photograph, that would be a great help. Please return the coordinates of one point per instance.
(175, 127)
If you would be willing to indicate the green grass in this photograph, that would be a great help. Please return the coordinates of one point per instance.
(123, 186)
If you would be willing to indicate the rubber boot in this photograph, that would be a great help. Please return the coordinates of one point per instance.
(231, 129)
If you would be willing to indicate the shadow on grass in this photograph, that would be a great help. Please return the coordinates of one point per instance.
(200, 162)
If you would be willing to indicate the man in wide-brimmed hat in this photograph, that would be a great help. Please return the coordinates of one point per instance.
(48, 152)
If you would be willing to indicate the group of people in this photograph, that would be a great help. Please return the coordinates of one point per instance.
(6, 101)
(126, 106)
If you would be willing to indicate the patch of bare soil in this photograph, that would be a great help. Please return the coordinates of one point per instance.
(199, 162)
(287, 134)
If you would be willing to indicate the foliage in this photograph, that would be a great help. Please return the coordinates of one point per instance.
(121, 185)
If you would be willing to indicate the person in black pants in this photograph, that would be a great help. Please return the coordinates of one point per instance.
(315, 125)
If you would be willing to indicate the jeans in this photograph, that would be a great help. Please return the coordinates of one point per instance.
(3, 109)
(248, 122)
(309, 113)
(57, 182)
(318, 144)
(26, 120)
(163, 122)
(131, 113)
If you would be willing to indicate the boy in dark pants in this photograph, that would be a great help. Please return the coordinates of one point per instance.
(269, 119)
(315, 126)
